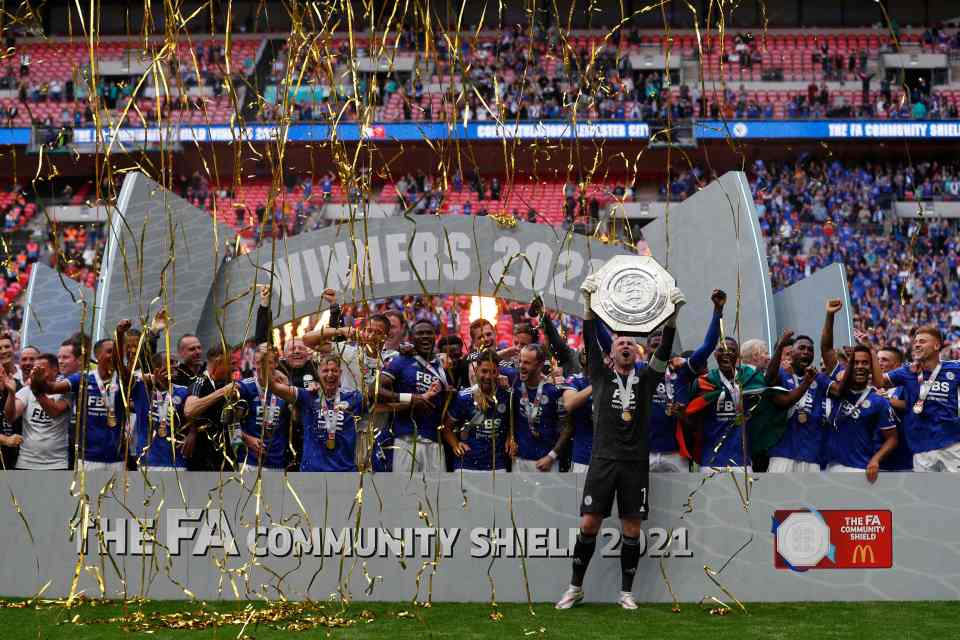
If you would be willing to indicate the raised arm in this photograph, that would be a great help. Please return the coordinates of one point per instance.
(264, 317)
(564, 354)
(661, 356)
(773, 368)
(591, 341)
(698, 361)
(316, 338)
(333, 330)
(827, 352)
(120, 364)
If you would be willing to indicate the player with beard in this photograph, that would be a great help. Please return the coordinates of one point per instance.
(539, 435)
(578, 405)
(858, 419)
(478, 425)
(673, 393)
(800, 449)
(620, 457)
(931, 390)
(483, 336)
(158, 405)
(330, 417)
(418, 385)
(889, 358)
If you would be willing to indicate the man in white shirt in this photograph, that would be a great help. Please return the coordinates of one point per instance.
(46, 419)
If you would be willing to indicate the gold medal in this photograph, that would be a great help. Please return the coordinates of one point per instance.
(802, 418)
(918, 407)
(111, 419)
(162, 430)
(331, 441)
(627, 416)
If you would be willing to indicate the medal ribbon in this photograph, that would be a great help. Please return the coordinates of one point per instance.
(860, 400)
(532, 407)
(925, 386)
(267, 413)
(631, 380)
(330, 426)
(796, 407)
(107, 393)
(732, 389)
(433, 368)
(161, 405)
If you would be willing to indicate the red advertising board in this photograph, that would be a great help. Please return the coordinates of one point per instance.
(833, 539)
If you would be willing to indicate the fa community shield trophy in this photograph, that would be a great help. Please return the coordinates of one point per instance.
(633, 295)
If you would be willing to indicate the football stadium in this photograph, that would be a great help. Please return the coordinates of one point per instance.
(469, 319)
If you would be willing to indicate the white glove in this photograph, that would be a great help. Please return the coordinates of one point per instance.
(587, 288)
(677, 298)
(589, 285)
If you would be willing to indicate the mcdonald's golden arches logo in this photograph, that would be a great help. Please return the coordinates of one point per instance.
(860, 554)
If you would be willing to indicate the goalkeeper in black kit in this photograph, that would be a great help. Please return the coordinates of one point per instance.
(620, 463)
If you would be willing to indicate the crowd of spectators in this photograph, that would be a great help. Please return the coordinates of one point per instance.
(76, 250)
(902, 273)
(813, 212)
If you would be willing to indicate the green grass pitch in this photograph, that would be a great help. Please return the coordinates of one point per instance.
(395, 621)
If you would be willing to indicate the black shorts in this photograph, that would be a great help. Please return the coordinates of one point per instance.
(628, 480)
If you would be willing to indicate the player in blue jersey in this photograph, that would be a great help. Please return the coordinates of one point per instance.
(801, 447)
(931, 390)
(330, 418)
(539, 433)
(417, 387)
(901, 458)
(673, 393)
(264, 435)
(723, 404)
(158, 406)
(861, 430)
(479, 422)
(578, 405)
(103, 442)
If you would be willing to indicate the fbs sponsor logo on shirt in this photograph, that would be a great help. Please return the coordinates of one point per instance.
(832, 539)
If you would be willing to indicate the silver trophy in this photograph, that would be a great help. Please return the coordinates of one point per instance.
(633, 295)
